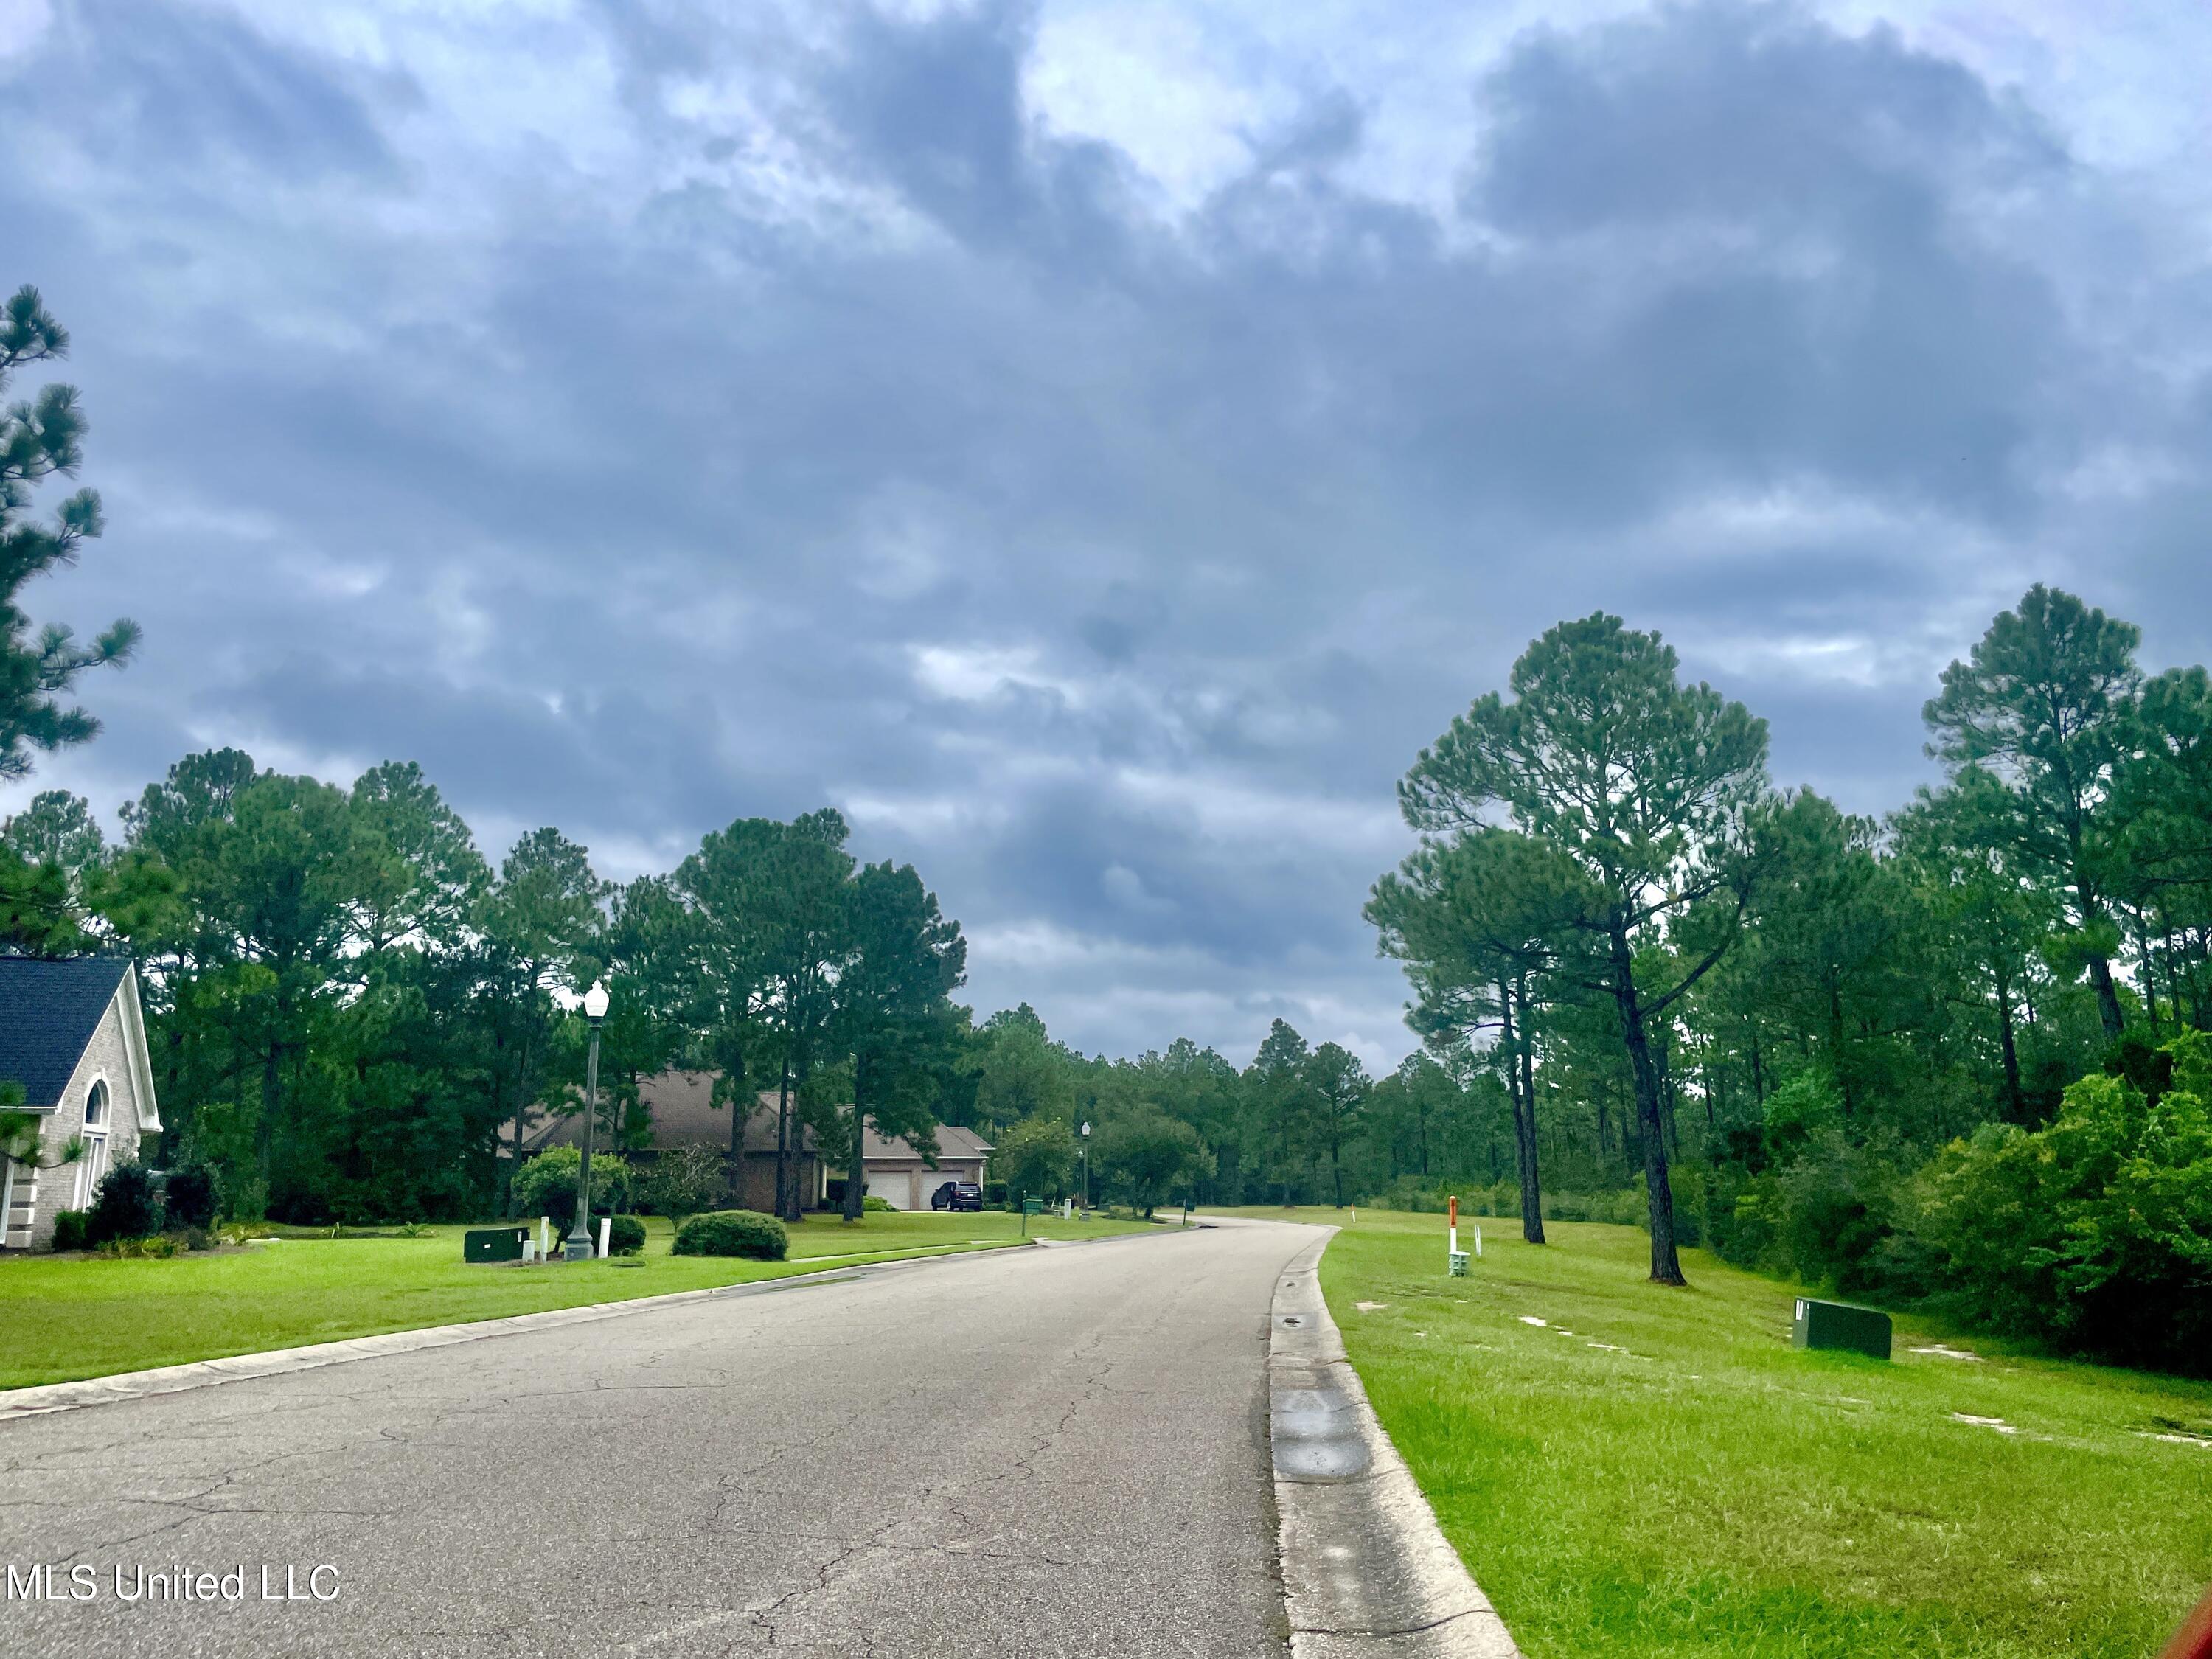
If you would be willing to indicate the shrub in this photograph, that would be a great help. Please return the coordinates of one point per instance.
(198, 1238)
(733, 1232)
(625, 1236)
(160, 1247)
(995, 1194)
(69, 1230)
(874, 1206)
(127, 1206)
(2096, 1231)
(686, 1181)
(546, 1185)
(190, 1197)
(1625, 1207)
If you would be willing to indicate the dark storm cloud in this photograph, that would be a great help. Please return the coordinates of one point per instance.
(802, 416)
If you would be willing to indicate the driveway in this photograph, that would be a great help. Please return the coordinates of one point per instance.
(1056, 1450)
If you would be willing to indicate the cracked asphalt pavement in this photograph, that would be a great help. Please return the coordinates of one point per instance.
(1056, 1450)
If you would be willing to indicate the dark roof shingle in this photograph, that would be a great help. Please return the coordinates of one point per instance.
(48, 1012)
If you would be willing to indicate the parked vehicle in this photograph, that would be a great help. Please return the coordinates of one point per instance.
(957, 1195)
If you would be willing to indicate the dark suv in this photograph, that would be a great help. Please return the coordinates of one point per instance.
(957, 1195)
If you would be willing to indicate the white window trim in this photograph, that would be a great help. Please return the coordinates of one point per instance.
(92, 1133)
(97, 1080)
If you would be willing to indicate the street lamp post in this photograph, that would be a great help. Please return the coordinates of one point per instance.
(1084, 1132)
(578, 1246)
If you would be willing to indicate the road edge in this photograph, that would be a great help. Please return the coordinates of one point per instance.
(45, 1399)
(1366, 1570)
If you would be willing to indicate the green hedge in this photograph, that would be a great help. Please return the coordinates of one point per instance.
(734, 1232)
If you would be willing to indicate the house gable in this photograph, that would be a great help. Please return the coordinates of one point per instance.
(110, 1063)
(49, 1012)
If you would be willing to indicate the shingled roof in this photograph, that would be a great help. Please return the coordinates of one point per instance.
(681, 1107)
(48, 1012)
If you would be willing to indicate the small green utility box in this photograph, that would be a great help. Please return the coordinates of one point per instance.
(1839, 1325)
(1032, 1206)
(494, 1244)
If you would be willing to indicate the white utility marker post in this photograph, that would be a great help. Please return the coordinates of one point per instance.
(606, 1225)
(1456, 1262)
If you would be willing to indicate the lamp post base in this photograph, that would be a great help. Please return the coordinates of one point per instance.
(578, 1247)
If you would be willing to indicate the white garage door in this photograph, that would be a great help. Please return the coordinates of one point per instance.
(895, 1187)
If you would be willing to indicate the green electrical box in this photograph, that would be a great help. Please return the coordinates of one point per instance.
(1032, 1206)
(494, 1244)
(1839, 1325)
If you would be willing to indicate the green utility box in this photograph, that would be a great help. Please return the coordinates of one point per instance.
(494, 1244)
(1839, 1325)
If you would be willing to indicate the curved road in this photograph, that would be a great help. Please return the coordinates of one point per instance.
(1056, 1450)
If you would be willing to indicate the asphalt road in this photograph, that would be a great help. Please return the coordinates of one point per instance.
(1058, 1451)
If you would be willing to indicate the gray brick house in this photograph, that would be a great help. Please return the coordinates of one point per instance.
(73, 1036)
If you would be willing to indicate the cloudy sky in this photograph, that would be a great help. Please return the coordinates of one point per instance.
(1094, 445)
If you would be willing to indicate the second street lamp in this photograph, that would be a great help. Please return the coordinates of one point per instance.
(579, 1245)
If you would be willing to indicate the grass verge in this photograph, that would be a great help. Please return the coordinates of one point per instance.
(1657, 1472)
(70, 1317)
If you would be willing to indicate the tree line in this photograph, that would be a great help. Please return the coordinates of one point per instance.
(354, 1013)
(1955, 1052)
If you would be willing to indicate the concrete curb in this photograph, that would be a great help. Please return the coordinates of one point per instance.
(1366, 1570)
(51, 1397)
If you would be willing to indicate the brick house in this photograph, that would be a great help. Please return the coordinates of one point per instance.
(681, 1108)
(899, 1174)
(73, 1037)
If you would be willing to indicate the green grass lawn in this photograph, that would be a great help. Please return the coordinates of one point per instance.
(66, 1318)
(1698, 1486)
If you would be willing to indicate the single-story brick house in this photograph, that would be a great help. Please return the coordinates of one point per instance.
(73, 1036)
(680, 1105)
(898, 1174)
(681, 1108)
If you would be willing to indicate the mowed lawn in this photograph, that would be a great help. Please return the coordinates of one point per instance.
(68, 1317)
(1696, 1485)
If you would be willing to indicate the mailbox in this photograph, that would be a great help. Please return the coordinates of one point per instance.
(1839, 1325)
(1032, 1206)
(493, 1244)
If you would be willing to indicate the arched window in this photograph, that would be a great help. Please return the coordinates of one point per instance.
(93, 1164)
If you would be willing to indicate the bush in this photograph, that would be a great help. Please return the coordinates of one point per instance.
(160, 1247)
(190, 1197)
(995, 1194)
(69, 1230)
(198, 1238)
(546, 1185)
(734, 1232)
(2095, 1233)
(625, 1236)
(127, 1206)
(874, 1206)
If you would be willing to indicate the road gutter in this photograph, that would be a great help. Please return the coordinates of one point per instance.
(44, 1399)
(1366, 1570)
